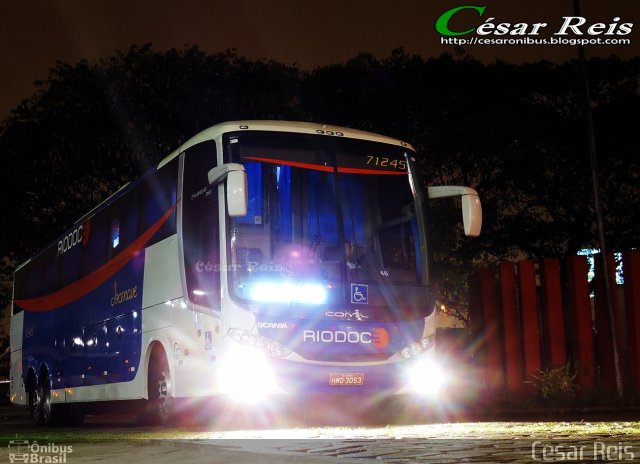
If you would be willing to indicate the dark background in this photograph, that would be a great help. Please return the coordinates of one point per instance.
(95, 93)
(37, 33)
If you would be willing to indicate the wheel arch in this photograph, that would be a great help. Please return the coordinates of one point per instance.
(35, 374)
(155, 350)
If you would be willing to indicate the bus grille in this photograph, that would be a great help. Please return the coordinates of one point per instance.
(347, 357)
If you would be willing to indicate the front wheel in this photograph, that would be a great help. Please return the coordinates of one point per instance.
(159, 407)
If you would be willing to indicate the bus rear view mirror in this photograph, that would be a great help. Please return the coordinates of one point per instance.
(471, 215)
(236, 186)
(471, 207)
(237, 193)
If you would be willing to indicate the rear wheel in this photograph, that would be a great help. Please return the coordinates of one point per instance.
(34, 401)
(45, 400)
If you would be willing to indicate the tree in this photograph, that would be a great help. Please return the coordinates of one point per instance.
(513, 132)
(92, 127)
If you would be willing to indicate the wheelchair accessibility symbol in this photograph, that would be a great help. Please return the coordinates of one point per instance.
(359, 294)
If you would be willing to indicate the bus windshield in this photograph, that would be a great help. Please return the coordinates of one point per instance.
(331, 223)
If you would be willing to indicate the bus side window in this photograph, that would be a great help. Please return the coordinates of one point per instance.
(200, 227)
(114, 225)
(157, 195)
(95, 249)
(115, 233)
(52, 276)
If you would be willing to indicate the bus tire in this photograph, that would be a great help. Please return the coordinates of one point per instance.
(46, 412)
(159, 408)
(33, 398)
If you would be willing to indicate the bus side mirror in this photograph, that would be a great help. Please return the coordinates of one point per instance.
(236, 187)
(471, 207)
(237, 193)
(471, 215)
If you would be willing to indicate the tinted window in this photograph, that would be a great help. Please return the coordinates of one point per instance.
(200, 227)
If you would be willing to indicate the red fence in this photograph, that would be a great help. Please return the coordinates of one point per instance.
(533, 316)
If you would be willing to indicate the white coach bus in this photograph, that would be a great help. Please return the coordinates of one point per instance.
(260, 258)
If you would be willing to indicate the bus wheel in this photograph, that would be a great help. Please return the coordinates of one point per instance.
(160, 403)
(45, 411)
(34, 401)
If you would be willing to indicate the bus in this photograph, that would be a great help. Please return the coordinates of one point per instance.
(260, 258)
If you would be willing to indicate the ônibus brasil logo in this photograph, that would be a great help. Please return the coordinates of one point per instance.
(378, 337)
(576, 25)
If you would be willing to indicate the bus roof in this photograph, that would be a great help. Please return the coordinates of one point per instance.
(216, 131)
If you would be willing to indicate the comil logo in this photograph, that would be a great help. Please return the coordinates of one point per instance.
(357, 314)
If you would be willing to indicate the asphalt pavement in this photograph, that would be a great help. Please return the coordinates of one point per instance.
(598, 436)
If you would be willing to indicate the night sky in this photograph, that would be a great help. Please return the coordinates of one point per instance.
(37, 33)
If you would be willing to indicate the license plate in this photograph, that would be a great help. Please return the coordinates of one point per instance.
(346, 380)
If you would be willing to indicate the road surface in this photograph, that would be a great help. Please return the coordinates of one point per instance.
(243, 437)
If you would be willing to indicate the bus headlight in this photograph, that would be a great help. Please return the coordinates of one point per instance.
(426, 377)
(245, 375)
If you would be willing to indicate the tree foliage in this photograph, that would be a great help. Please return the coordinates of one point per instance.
(513, 132)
